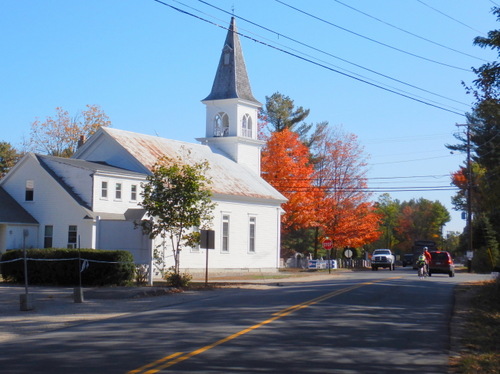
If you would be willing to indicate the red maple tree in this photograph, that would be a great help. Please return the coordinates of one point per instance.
(348, 217)
(285, 165)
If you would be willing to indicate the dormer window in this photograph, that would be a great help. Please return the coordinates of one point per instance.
(221, 124)
(246, 126)
(227, 54)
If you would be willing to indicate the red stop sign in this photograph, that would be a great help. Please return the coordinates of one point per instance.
(327, 243)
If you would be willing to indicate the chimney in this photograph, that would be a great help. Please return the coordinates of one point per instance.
(81, 141)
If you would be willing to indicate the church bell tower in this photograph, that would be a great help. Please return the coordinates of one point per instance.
(231, 109)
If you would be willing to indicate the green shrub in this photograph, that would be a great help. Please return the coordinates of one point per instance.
(60, 266)
(177, 279)
(141, 274)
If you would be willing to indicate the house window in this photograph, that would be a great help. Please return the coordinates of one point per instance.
(118, 191)
(72, 236)
(246, 126)
(221, 124)
(225, 233)
(30, 190)
(104, 190)
(47, 237)
(251, 236)
(133, 192)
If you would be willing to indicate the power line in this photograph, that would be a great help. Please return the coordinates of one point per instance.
(313, 62)
(450, 17)
(409, 32)
(404, 161)
(296, 189)
(370, 39)
(435, 176)
(334, 56)
(413, 176)
(403, 139)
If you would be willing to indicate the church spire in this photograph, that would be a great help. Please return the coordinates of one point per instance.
(231, 109)
(231, 80)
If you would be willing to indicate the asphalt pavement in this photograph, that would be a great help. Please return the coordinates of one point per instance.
(53, 308)
(57, 307)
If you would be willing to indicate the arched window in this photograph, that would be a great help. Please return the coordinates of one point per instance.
(221, 124)
(246, 126)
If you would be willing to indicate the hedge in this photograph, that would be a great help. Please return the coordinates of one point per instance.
(60, 266)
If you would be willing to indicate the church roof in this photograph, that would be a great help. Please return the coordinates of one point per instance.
(231, 80)
(228, 177)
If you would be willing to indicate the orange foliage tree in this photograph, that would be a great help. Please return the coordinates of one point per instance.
(348, 217)
(460, 179)
(323, 177)
(285, 165)
(59, 135)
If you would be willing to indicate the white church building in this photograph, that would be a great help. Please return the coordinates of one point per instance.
(92, 200)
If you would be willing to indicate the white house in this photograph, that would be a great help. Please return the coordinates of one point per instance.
(92, 200)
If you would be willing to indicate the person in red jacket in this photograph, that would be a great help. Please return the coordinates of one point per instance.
(427, 258)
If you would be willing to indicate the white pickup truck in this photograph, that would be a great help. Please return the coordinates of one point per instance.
(383, 258)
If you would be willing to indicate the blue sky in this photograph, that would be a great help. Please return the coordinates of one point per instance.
(148, 66)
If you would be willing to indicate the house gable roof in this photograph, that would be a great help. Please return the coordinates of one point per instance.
(91, 166)
(12, 212)
(49, 163)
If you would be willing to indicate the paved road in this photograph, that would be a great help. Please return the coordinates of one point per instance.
(363, 322)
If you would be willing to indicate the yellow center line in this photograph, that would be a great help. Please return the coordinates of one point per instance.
(172, 356)
(175, 358)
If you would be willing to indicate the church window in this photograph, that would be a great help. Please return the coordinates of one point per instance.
(221, 124)
(246, 126)
(196, 247)
(225, 233)
(251, 237)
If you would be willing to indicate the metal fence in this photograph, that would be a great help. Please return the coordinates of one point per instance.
(341, 263)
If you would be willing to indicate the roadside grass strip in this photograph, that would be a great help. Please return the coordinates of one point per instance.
(173, 359)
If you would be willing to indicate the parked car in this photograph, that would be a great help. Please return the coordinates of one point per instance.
(442, 263)
(408, 259)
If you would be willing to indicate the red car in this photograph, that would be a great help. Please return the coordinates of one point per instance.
(442, 263)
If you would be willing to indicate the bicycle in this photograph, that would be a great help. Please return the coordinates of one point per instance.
(422, 271)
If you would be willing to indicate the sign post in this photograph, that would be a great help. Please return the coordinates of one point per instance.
(207, 242)
(348, 253)
(25, 300)
(328, 245)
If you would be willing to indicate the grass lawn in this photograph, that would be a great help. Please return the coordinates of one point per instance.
(481, 342)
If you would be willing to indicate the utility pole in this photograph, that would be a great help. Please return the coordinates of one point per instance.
(469, 192)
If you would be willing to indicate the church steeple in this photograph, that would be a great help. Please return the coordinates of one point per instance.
(231, 80)
(231, 121)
